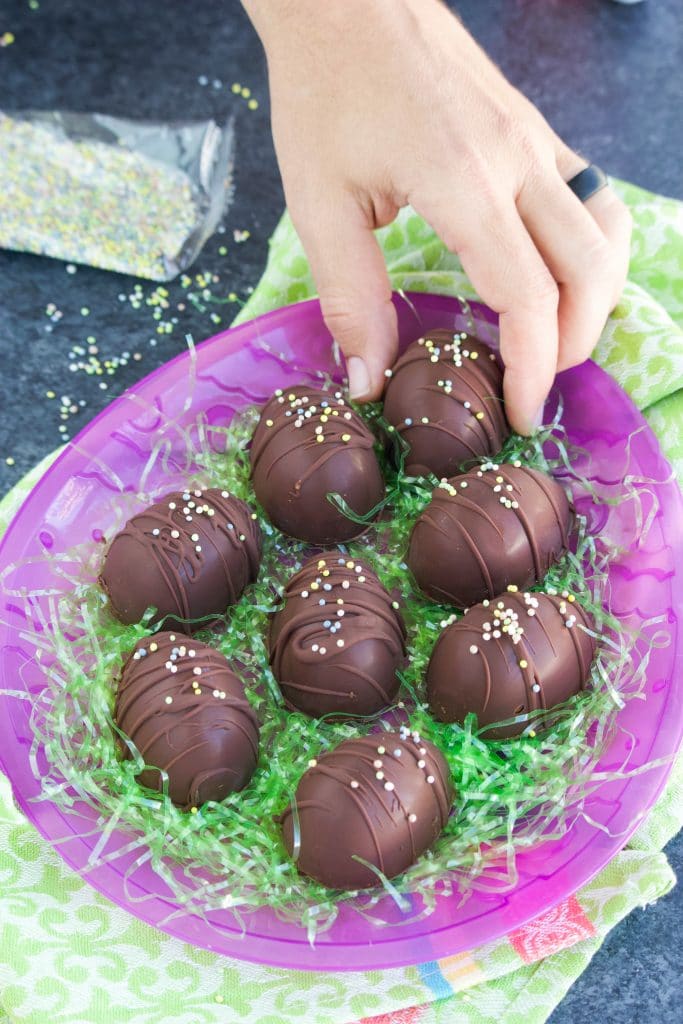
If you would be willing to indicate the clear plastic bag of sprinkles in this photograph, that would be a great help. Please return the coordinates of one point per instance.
(139, 197)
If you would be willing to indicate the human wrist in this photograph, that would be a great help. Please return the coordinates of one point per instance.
(281, 22)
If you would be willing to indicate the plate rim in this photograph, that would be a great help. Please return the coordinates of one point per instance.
(369, 952)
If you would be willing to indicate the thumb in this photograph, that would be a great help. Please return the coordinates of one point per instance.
(353, 285)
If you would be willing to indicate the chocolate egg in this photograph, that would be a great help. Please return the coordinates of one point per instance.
(384, 798)
(185, 710)
(504, 658)
(309, 444)
(491, 527)
(338, 640)
(445, 399)
(189, 556)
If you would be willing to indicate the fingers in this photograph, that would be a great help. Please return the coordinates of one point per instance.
(551, 266)
(615, 220)
(586, 251)
(610, 214)
(355, 295)
(507, 271)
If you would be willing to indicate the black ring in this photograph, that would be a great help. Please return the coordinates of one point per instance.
(587, 182)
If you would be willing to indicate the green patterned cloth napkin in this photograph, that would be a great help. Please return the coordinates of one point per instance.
(69, 956)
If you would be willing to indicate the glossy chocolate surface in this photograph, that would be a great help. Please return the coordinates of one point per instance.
(486, 529)
(185, 710)
(384, 798)
(445, 399)
(337, 642)
(189, 556)
(516, 654)
(308, 444)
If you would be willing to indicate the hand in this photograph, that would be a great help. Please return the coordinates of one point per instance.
(381, 103)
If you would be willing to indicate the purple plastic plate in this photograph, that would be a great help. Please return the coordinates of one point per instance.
(73, 503)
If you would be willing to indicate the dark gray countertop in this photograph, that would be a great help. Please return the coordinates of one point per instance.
(608, 77)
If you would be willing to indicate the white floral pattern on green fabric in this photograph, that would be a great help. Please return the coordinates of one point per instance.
(68, 956)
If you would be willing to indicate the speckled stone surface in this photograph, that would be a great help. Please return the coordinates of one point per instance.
(607, 76)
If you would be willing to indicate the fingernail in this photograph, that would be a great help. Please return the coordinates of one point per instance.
(359, 378)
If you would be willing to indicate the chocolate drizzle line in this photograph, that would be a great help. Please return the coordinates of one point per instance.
(524, 630)
(449, 383)
(407, 798)
(177, 533)
(333, 605)
(306, 406)
(175, 697)
(310, 444)
(491, 494)
(475, 377)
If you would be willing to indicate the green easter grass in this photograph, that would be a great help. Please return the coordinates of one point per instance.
(510, 795)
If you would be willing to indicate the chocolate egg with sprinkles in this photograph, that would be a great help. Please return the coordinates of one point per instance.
(309, 444)
(506, 658)
(383, 798)
(445, 399)
(493, 526)
(186, 712)
(338, 640)
(189, 556)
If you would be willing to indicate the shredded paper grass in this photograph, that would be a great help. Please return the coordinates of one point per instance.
(511, 795)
